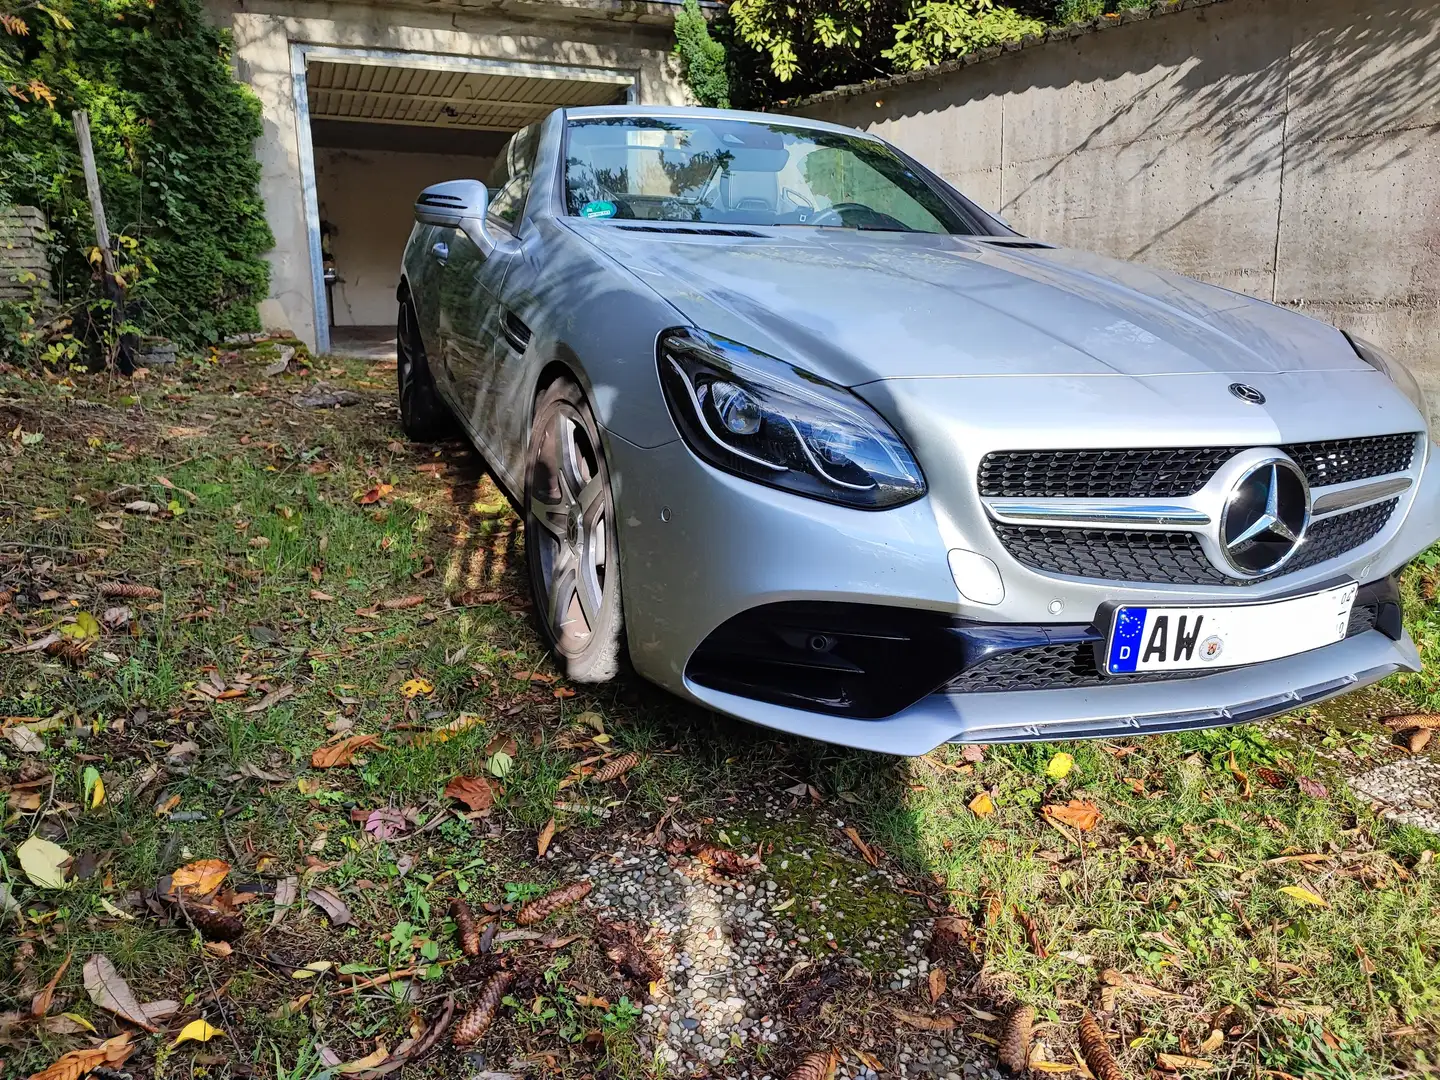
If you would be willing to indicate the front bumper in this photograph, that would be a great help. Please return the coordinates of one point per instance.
(699, 547)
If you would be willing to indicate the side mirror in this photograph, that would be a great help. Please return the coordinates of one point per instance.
(457, 204)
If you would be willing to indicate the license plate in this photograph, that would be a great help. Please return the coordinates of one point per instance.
(1226, 635)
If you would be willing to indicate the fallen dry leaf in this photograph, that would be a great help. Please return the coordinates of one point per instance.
(1077, 813)
(112, 993)
(1304, 896)
(936, 983)
(865, 850)
(417, 687)
(43, 862)
(375, 494)
(40, 1003)
(331, 904)
(982, 805)
(542, 842)
(342, 751)
(199, 878)
(196, 1031)
(476, 792)
(272, 698)
(1183, 1063)
(925, 1023)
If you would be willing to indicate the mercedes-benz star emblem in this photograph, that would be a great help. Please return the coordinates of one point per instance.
(1265, 517)
(1247, 393)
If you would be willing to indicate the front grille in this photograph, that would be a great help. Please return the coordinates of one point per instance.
(1175, 472)
(1340, 461)
(1072, 665)
(1174, 558)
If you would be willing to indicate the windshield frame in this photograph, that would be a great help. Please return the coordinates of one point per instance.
(979, 221)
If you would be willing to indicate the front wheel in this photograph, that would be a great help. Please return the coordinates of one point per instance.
(423, 414)
(570, 537)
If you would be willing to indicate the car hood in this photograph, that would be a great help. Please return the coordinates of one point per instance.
(860, 306)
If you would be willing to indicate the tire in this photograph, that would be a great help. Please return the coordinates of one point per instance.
(570, 537)
(423, 413)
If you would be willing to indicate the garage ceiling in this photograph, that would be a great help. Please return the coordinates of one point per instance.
(425, 97)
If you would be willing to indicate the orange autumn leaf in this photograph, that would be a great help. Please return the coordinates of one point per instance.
(342, 752)
(200, 877)
(1077, 813)
(542, 842)
(476, 792)
(376, 493)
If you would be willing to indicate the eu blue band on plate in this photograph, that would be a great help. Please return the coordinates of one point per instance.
(1125, 639)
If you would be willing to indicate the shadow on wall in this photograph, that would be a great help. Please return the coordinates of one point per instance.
(1283, 148)
(1337, 69)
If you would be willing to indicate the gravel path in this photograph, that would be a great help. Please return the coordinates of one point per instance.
(1407, 791)
(728, 956)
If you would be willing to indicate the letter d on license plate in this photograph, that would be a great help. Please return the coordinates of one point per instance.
(1226, 635)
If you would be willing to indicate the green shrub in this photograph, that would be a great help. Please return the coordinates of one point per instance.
(173, 135)
(944, 29)
(702, 58)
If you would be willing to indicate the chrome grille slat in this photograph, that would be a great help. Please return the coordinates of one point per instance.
(1174, 558)
(1168, 473)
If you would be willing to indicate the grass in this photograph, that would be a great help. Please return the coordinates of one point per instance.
(275, 564)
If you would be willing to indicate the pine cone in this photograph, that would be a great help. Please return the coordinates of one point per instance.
(477, 1021)
(72, 652)
(543, 908)
(816, 1066)
(1015, 1041)
(130, 592)
(215, 925)
(613, 770)
(1097, 1051)
(465, 922)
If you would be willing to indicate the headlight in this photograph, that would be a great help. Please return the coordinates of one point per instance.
(752, 415)
(1397, 373)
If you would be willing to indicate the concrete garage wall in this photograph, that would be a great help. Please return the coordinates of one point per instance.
(1289, 149)
(591, 33)
(369, 196)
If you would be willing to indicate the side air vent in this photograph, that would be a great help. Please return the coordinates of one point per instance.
(516, 332)
(1017, 242)
(689, 231)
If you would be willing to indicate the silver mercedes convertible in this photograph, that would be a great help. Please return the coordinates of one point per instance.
(809, 438)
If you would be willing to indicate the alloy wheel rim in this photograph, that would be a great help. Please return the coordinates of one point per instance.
(405, 345)
(568, 504)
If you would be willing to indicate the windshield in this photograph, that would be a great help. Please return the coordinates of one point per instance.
(740, 172)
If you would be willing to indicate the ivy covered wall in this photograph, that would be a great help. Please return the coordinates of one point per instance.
(173, 135)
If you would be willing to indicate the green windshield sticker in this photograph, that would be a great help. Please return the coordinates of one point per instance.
(601, 208)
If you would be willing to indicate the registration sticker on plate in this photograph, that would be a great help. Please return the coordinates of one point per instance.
(1226, 635)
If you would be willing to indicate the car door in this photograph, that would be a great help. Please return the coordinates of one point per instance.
(471, 311)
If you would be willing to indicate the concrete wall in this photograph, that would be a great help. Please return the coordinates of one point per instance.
(369, 196)
(1289, 149)
(580, 33)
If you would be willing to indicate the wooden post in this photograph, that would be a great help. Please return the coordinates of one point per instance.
(125, 351)
(92, 188)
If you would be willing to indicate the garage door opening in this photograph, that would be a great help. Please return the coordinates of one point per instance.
(380, 129)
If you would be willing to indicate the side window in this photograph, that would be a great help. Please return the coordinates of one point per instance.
(511, 176)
